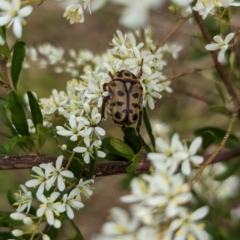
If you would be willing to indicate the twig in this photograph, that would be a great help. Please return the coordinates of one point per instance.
(103, 169)
(216, 152)
(221, 71)
(171, 33)
(194, 70)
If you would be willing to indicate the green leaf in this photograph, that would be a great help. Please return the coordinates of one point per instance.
(4, 49)
(220, 91)
(230, 169)
(6, 235)
(3, 102)
(6, 121)
(208, 139)
(78, 235)
(42, 134)
(118, 147)
(218, 135)
(76, 166)
(132, 139)
(220, 109)
(35, 110)
(19, 53)
(11, 142)
(93, 164)
(149, 129)
(4, 219)
(52, 233)
(133, 166)
(18, 115)
(10, 197)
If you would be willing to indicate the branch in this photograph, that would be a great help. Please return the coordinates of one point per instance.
(221, 71)
(103, 169)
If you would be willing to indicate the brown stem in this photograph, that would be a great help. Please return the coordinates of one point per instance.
(103, 169)
(221, 71)
(171, 33)
(216, 152)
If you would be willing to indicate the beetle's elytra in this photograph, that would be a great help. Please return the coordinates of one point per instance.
(125, 98)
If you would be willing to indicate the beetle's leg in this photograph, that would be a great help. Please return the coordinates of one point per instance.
(111, 75)
(140, 71)
(105, 99)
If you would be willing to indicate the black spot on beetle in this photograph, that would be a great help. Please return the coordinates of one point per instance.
(134, 117)
(141, 88)
(113, 104)
(113, 84)
(120, 103)
(119, 74)
(135, 95)
(120, 93)
(135, 105)
(118, 115)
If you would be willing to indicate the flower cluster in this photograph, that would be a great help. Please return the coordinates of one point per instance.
(159, 199)
(56, 193)
(81, 103)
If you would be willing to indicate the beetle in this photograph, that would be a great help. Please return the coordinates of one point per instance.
(125, 98)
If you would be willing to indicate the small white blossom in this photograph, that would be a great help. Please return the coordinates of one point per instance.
(187, 226)
(23, 199)
(88, 150)
(49, 207)
(121, 223)
(221, 44)
(17, 232)
(11, 14)
(70, 202)
(228, 3)
(193, 159)
(58, 173)
(74, 130)
(74, 13)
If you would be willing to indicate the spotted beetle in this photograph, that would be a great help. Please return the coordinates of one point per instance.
(125, 98)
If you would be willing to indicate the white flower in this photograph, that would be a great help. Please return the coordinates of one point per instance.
(45, 237)
(121, 223)
(228, 3)
(23, 199)
(134, 9)
(75, 129)
(43, 173)
(70, 202)
(58, 173)
(169, 194)
(17, 232)
(171, 153)
(205, 7)
(49, 207)
(21, 217)
(11, 14)
(88, 150)
(220, 44)
(83, 187)
(192, 158)
(74, 13)
(187, 226)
